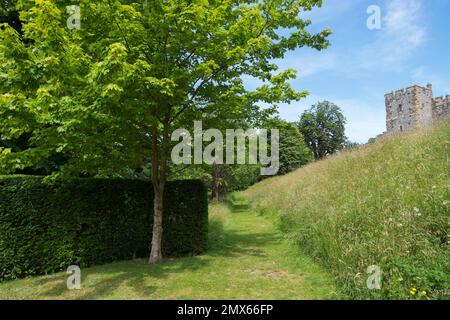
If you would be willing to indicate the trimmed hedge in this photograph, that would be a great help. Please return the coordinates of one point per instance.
(47, 227)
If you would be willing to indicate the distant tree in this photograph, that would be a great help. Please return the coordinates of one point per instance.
(229, 178)
(323, 127)
(294, 151)
(350, 145)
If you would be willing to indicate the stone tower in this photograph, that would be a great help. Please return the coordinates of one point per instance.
(409, 108)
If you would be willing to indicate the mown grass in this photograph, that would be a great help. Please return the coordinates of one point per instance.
(247, 259)
(386, 204)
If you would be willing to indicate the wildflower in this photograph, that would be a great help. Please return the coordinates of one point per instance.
(416, 210)
(424, 292)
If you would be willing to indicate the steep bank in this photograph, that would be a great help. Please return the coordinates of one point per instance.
(386, 204)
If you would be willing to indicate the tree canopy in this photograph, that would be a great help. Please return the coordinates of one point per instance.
(323, 127)
(294, 152)
(108, 95)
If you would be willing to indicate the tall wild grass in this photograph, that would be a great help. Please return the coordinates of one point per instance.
(385, 204)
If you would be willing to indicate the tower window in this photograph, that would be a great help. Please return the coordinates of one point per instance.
(401, 128)
(400, 108)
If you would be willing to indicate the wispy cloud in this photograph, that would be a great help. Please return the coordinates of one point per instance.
(330, 10)
(403, 31)
(362, 65)
(308, 64)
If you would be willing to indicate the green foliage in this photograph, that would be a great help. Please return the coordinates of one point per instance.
(222, 179)
(46, 227)
(238, 202)
(7, 6)
(385, 204)
(9, 15)
(294, 152)
(132, 72)
(107, 95)
(323, 127)
(350, 145)
(240, 177)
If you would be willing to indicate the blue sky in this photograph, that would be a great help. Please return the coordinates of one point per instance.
(361, 65)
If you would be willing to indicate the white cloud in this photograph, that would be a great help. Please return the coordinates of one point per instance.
(403, 31)
(330, 10)
(402, 21)
(308, 64)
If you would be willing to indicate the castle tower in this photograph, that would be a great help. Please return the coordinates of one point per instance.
(409, 108)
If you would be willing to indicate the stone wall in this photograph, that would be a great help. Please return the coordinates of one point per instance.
(408, 108)
(414, 107)
(441, 110)
(424, 101)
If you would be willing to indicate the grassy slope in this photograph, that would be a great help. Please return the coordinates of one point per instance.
(386, 204)
(247, 260)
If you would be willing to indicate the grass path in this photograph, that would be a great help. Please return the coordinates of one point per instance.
(247, 259)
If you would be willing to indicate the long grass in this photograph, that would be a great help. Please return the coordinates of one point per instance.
(386, 204)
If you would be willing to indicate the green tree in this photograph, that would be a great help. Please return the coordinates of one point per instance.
(294, 151)
(109, 94)
(9, 14)
(7, 6)
(351, 145)
(323, 127)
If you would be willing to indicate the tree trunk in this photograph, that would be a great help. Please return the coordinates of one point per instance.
(159, 177)
(158, 204)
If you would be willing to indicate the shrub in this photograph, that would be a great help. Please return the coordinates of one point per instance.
(238, 202)
(384, 204)
(46, 227)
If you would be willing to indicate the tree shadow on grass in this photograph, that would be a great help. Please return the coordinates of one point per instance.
(100, 282)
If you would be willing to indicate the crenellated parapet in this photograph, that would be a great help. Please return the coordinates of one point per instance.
(408, 108)
(414, 107)
(441, 108)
